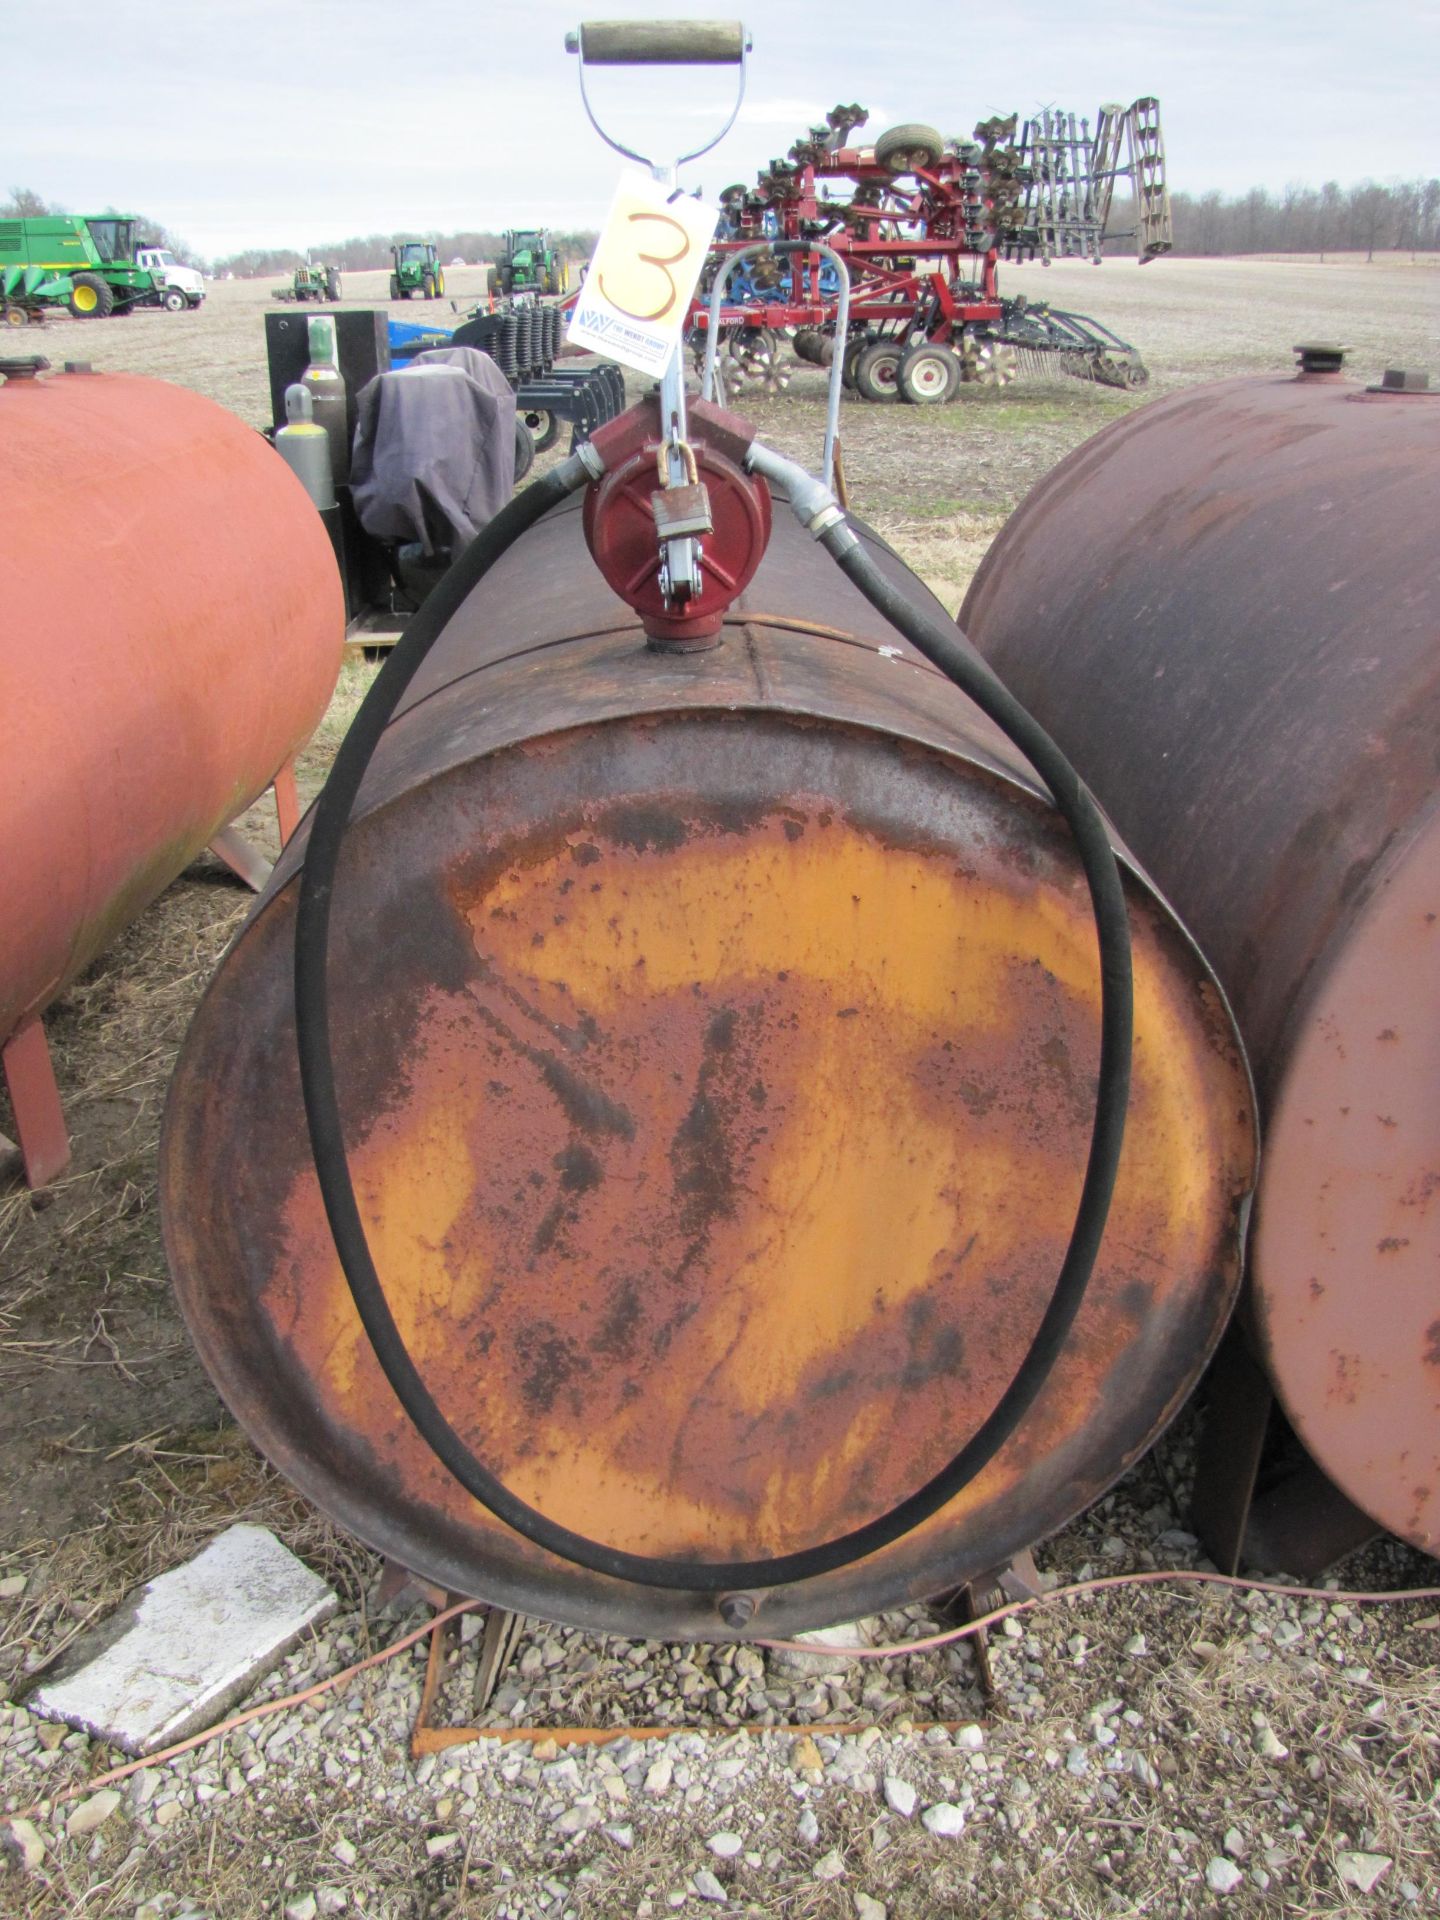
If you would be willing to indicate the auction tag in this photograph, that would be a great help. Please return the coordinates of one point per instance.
(643, 276)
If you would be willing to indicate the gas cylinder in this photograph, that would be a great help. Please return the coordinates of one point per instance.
(1226, 607)
(304, 446)
(715, 1025)
(174, 630)
(325, 384)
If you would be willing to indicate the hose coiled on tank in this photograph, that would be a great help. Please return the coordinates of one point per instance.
(322, 1112)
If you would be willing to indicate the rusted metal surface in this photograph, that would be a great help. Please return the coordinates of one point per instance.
(175, 627)
(1227, 609)
(717, 1035)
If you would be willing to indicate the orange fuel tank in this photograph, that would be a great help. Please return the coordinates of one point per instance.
(717, 1035)
(173, 628)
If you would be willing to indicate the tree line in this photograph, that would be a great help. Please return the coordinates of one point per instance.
(1402, 216)
(362, 252)
(353, 255)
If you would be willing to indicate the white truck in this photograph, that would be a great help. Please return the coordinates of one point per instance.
(179, 287)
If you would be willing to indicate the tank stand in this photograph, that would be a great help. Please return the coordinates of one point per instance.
(400, 1587)
(502, 1634)
(44, 1140)
(246, 860)
(287, 801)
(1018, 1580)
(1259, 1499)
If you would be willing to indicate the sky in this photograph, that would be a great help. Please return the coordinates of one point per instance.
(241, 123)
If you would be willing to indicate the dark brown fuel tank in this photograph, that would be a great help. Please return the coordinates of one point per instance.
(1226, 607)
(716, 1035)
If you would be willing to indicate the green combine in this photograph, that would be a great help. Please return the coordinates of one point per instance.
(416, 269)
(85, 262)
(529, 264)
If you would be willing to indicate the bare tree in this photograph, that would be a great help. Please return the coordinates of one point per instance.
(25, 204)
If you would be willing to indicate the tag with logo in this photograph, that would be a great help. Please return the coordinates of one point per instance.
(643, 276)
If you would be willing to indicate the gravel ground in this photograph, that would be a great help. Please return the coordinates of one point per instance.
(1180, 1753)
(1146, 1751)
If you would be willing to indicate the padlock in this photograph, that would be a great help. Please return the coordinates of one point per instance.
(682, 511)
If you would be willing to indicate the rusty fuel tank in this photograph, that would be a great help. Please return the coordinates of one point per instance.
(716, 1034)
(173, 631)
(1226, 607)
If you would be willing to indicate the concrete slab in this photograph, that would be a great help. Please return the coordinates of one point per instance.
(187, 1646)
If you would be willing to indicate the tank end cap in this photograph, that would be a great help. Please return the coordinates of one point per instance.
(1320, 356)
(1403, 380)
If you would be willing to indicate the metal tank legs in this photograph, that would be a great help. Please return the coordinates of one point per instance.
(44, 1140)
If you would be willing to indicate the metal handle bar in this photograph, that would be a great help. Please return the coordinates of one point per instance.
(842, 329)
(659, 43)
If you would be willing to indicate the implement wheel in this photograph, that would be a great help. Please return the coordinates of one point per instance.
(902, 149)
(997, 365)
(853, 351)
(524, 449)
(877, 371)
(928, 374)
(542, 426)
(91, 298)
(13, 314)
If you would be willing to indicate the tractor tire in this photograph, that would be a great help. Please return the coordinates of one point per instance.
(853, 351)
(877, 371)
(440, 284)
(332, 283)
(427, 286)
(395, 293)
(492, 280)
(174, 300)
(524, 449)
(542, 426)
(902, 149)
(928, 374)
(91, 298)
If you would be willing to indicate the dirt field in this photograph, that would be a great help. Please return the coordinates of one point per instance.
(118, 1461)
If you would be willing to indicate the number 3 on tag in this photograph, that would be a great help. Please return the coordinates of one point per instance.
(642, 279)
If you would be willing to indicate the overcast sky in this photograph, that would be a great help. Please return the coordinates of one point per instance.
(265, 122)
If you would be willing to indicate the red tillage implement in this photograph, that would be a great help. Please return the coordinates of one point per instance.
(921, 223)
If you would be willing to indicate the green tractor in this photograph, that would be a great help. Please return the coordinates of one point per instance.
(529, 264)
(416, 269)
(85, 262)
(311, 283)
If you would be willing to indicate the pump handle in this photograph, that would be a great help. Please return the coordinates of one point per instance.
(659, 43)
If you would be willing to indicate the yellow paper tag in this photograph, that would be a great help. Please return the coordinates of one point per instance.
(643, 276)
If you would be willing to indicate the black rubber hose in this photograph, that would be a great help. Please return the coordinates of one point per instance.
(322, 1111)
(941, 646)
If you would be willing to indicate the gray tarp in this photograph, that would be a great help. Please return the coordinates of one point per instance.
(434, 455)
